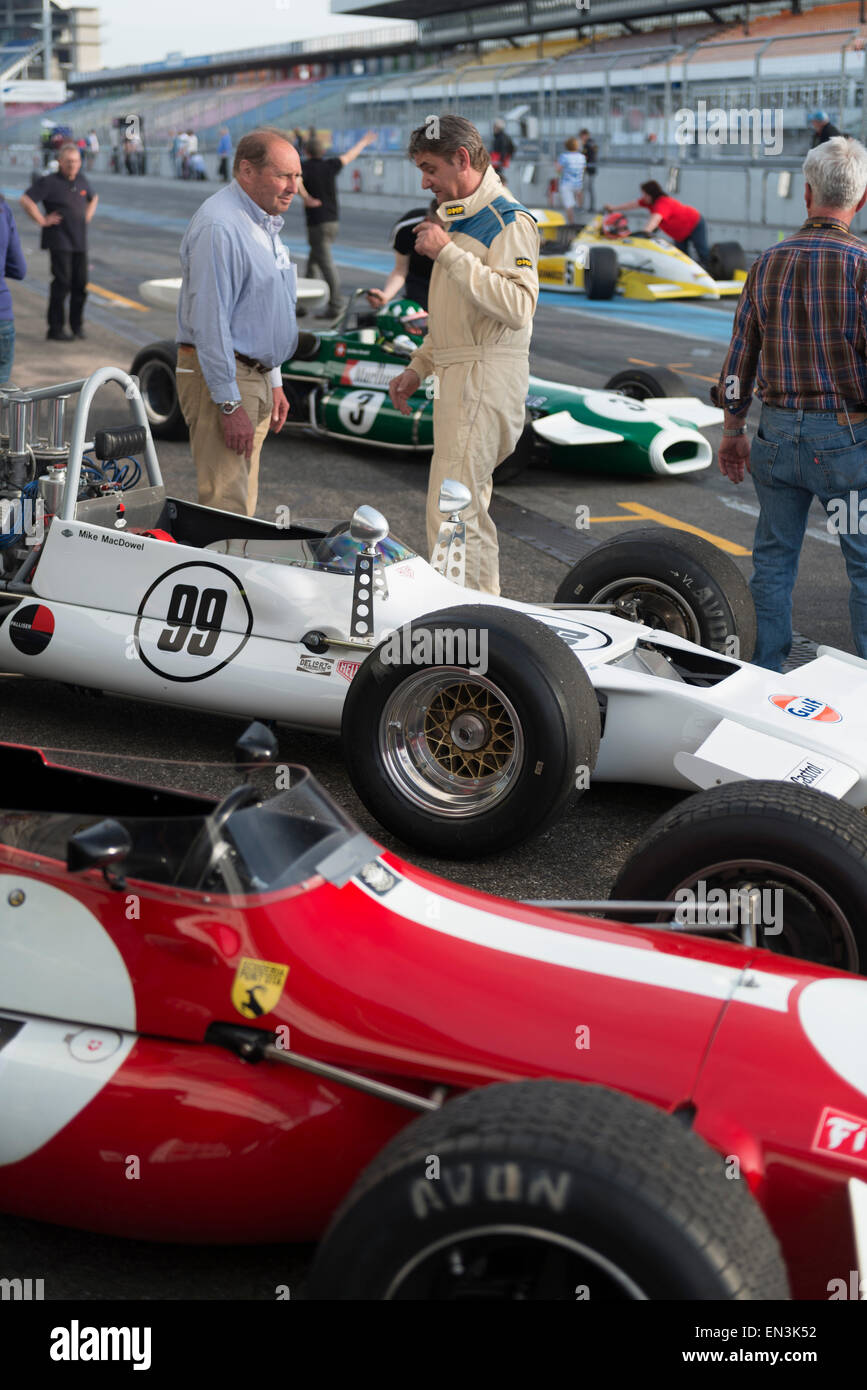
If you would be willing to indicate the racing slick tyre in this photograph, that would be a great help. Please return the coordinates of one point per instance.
(671, 581)
(600, 277)
(155, 368)
(724, 258)
(550, 1191)
(640, 384)
(465, 730)
(806, 852)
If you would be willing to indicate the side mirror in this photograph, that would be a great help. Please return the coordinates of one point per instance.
(454, 497)
(99, 846)
(257, 744)
(368, 526)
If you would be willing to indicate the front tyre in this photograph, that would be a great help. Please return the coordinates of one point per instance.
(550, 1191)
(643, 383)
(804, 851)
(464, 732)
(671, 581)
(155, 368)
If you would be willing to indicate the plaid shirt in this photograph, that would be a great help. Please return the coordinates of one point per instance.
(800, 329)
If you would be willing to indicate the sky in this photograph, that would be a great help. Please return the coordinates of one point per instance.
(213, 26)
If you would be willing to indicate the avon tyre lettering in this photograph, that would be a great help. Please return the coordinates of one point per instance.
(193, 620)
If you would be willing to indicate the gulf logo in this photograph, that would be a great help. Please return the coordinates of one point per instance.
(802, 707)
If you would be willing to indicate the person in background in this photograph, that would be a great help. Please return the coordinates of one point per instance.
(570, 170)
(14, 268)
(321, 210)
(69, 203)
(800, 331)
(236, 320)
(684, 224)
(412, 271)
(822, 128)
(197, 166)
(591, 154)
(224, 150)
(92, 149)
(502, 148)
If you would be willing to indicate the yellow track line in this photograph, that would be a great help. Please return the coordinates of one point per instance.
(117, 298)
(648, 514)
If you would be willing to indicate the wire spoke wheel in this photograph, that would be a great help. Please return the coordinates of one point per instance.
(451, 740)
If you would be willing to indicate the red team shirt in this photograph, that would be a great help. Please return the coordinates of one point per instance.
(678, 219)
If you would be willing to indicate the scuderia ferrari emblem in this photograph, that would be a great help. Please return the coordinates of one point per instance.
(455, 210)
(257, 986)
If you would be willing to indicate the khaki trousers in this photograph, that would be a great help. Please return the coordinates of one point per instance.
(478, 419)
(226, 480)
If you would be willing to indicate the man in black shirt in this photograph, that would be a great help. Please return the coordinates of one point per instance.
(822, 128)
(69, 203)
(411, 274)
(319, 177)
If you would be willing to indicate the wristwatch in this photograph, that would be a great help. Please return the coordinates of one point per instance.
(733, 434)
(229, 407)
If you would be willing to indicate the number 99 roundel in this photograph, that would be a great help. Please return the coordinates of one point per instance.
(192, 621)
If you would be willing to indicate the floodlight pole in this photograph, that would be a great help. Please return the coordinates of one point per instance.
(46, 40)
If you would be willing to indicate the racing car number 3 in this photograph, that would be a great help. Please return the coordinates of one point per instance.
(193, 620)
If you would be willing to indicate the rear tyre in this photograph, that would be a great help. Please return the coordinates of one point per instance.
(464, 757)
(783, 839)
(724, 258)
(640, 383)
(600, 277)
(550, 1191)
(155, 368)
(670, 581)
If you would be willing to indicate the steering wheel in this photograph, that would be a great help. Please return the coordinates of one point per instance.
(200, 856)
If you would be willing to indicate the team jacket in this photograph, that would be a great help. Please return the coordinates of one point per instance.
(485, 284)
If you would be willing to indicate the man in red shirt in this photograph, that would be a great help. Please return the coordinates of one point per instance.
(684, 224)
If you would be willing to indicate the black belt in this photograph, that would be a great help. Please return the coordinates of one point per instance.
(242, 357)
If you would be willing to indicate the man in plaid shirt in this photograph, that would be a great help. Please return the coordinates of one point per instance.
(800, 334)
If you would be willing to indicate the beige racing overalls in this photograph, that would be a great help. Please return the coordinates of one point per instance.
(483, 293)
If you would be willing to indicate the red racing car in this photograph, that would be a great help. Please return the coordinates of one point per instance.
(242, 1021)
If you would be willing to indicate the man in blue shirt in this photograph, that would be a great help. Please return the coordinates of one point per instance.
(224, 150)
(236, 320)
(14, 268)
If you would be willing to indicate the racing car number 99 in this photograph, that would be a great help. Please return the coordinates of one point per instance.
(193, 620)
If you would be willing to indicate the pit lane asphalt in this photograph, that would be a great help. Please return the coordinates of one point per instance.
(135, 236)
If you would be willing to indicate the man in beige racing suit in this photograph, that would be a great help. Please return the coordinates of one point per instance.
(483, 293)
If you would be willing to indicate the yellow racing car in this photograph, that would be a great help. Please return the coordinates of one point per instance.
(602, 257)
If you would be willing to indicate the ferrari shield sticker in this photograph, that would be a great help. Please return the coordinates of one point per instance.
(31, 628)
(257, 986)
(192, 621)
(802, 707)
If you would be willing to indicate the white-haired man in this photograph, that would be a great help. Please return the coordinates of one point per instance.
(800, 334)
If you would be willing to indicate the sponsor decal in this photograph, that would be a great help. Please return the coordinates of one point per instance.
(523, 260)
(407, 571)
(455, 210)
(841, 1134)
(93, 1044)
(340, 350)
(193, 620)
(378, 878)
(31, 628)
(807, 774)
(804, 707)
(369, 373)
(315, 665)
(347, 669)
(583, 638)
(257, 986)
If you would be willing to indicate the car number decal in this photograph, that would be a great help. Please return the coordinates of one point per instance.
(193, 620)
(359, 409)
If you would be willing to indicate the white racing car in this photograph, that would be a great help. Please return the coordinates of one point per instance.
(467, 721)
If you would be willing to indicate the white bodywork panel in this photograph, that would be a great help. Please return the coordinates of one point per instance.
(563, 428)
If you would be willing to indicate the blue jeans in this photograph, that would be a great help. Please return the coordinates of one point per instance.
(698, 237)
(7, 349)
(798, 455)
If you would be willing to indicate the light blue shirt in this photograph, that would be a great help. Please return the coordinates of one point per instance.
(571, 165)
(225, 145)
(238, 290)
